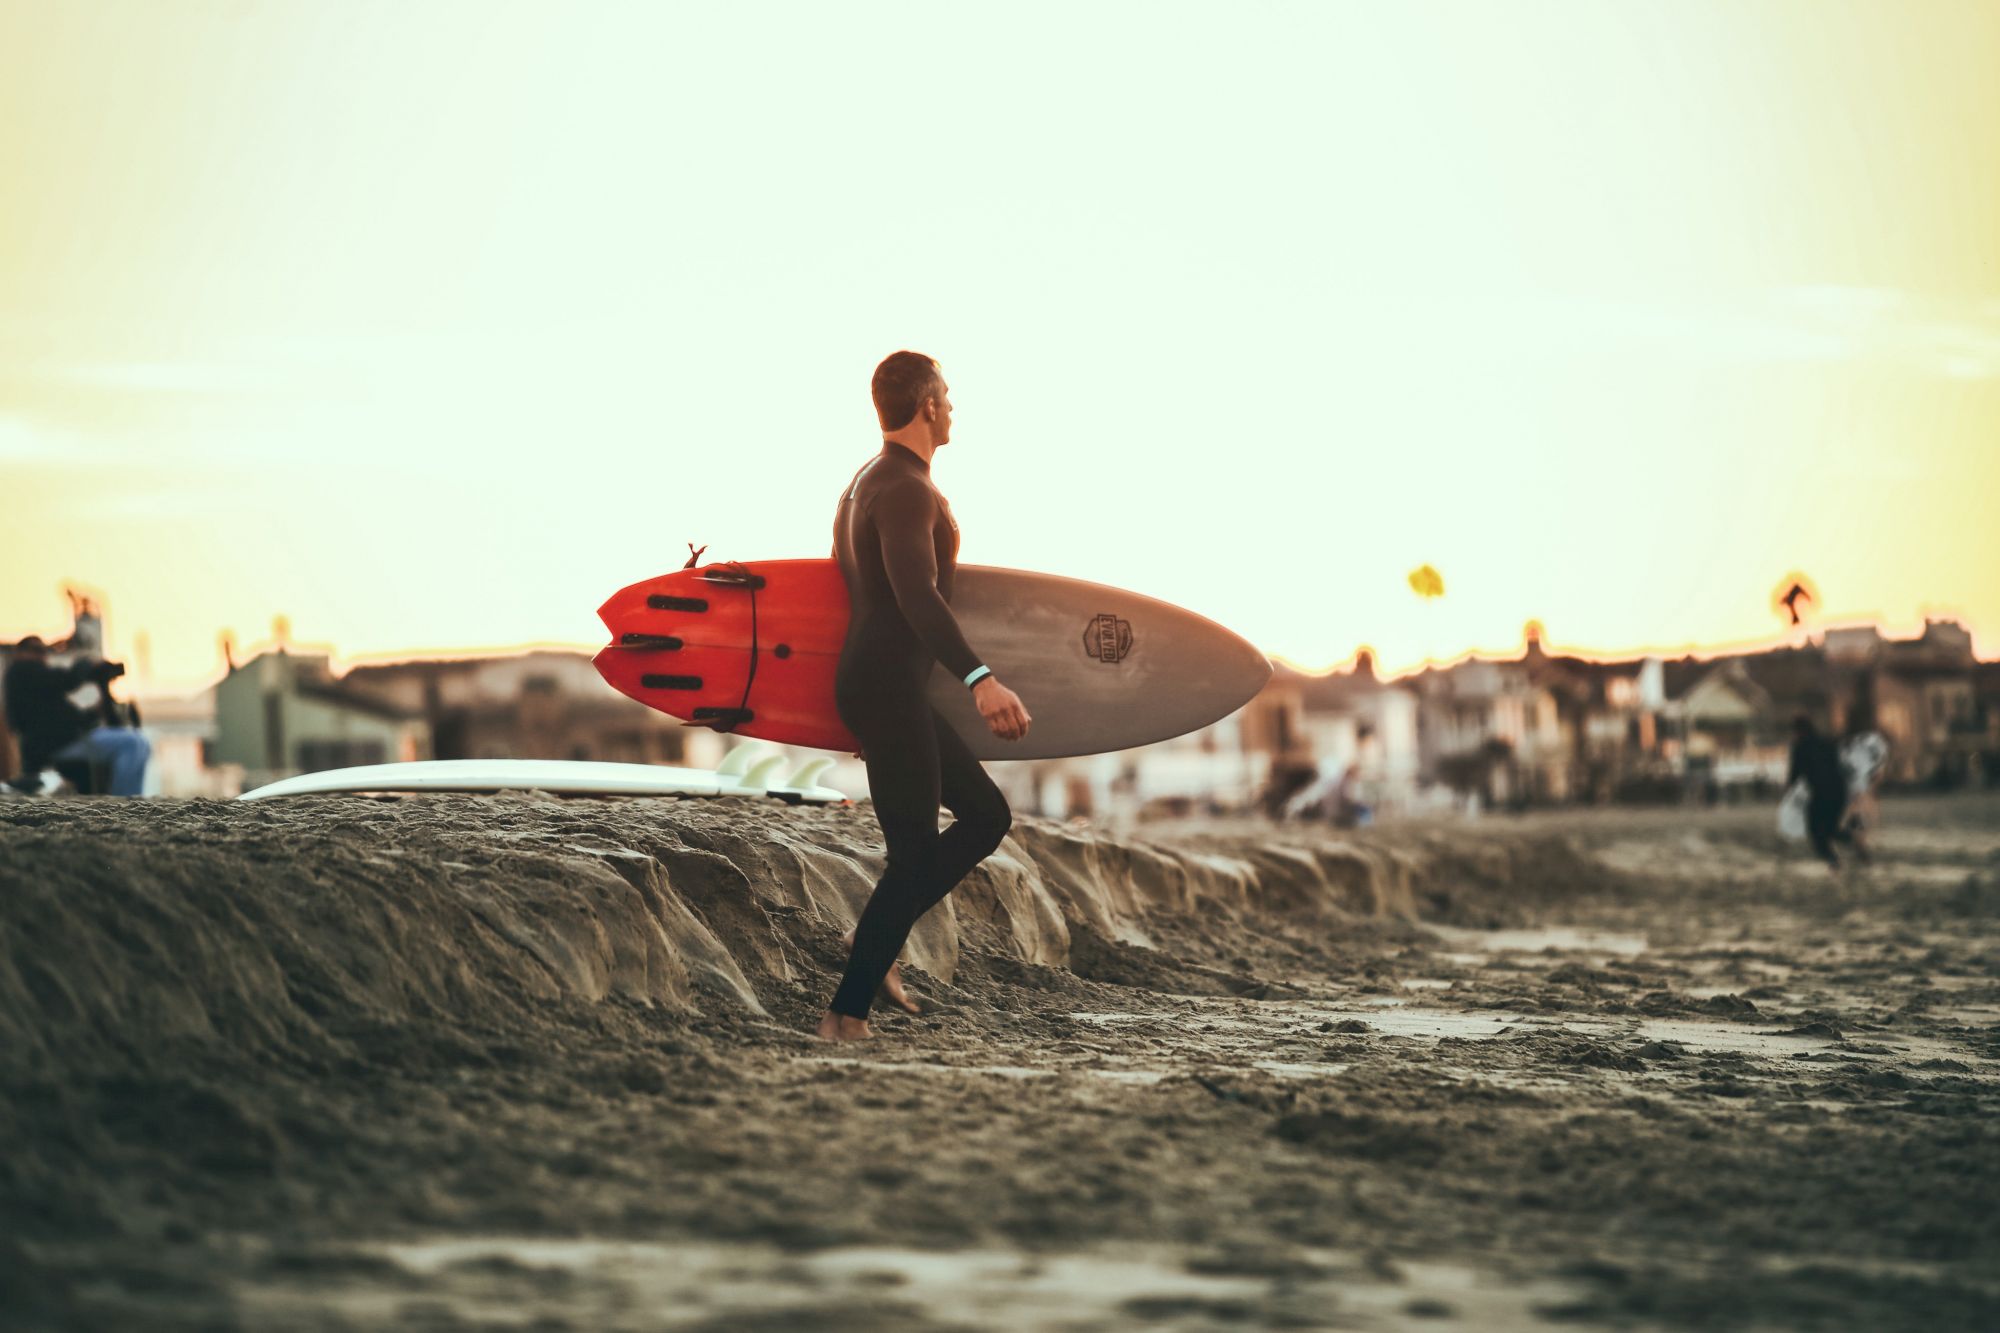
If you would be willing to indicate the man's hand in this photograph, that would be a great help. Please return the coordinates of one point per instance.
(1001, 708)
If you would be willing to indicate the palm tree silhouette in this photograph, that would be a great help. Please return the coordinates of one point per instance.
(1793, 596)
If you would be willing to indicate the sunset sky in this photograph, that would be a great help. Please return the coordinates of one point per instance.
(428, 325)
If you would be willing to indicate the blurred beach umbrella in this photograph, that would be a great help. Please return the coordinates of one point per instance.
(1426, 582)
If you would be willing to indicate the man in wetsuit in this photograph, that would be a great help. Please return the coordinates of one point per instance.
(1816, 762)
(897, 545)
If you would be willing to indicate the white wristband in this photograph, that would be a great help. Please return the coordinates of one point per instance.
(977, 674)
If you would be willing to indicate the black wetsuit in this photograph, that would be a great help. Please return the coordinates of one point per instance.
(1817, 761)
(897, 545)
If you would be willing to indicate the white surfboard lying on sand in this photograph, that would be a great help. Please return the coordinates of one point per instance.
(747, 771)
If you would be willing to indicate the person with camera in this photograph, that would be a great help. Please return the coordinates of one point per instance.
(54, 731)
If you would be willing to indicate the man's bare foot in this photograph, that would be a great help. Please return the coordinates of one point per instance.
(839, 1027)
(891, 988)
(892, 991)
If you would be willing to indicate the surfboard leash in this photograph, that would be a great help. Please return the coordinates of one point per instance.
(734, 575)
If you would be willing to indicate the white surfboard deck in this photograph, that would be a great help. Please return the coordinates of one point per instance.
(1099, 668)
(754, 775)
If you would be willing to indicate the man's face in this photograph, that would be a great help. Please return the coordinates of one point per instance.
(941, 423)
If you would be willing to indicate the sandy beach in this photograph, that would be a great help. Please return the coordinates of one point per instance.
(515, 1062)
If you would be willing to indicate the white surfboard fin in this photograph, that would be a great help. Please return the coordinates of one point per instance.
(738, 760)
(763, 772)
(810, 772)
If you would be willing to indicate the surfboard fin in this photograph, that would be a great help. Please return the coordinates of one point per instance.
(809, 773)
(721, 719)
(766, 768)
(737, 760)
(731, 576)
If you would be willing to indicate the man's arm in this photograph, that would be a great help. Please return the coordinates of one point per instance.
(904, 517)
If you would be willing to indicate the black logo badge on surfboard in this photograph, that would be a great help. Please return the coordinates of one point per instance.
(1107, 638)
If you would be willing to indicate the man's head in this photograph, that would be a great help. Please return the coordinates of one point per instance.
(1802, 726)
(32, 648)
(909, 390)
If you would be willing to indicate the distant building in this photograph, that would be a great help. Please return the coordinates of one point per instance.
(1726, 727)
(541, 704)
(1986, 694)
(1926, 697)
(283, 713)
(1309, 728)
(1732, 716)
(1608, 717)
(183, 733)
(1552, 729)
(1495, 730)
(1203, 770)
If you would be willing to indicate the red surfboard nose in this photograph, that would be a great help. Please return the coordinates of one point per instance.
(738, 648)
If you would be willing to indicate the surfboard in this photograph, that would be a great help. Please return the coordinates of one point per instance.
(751, 648)
(746, 771)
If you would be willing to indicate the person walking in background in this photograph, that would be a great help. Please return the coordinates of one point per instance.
(1816, 763)
(1864, 756)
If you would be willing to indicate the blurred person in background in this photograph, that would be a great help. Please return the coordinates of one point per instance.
(1355, 807)
(1864, 756)
(54, 732)
(1344, 794)
(116, 742)
(1816, 763)
(39, 711)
